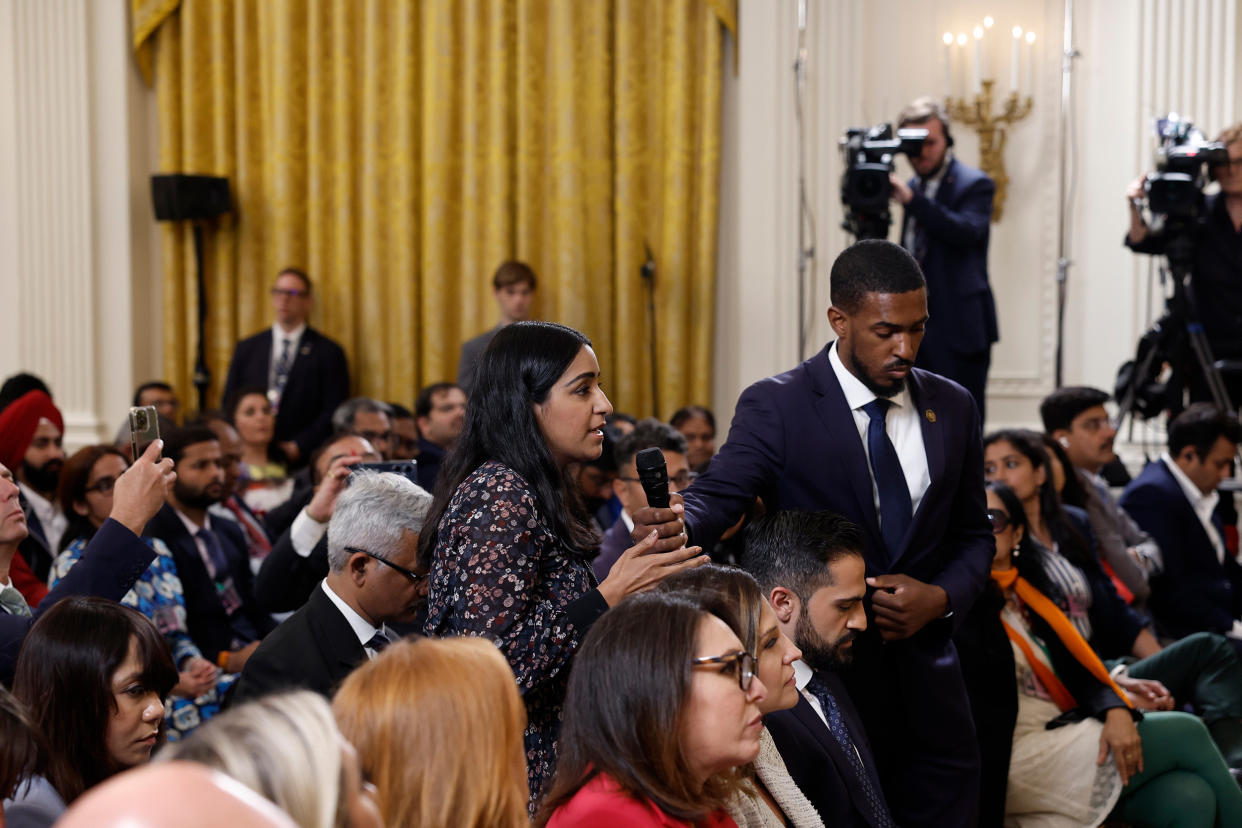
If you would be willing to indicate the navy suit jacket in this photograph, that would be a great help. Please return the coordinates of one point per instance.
(206, 618)
(318, 383)
(1195, 592)
(110, 566)
(816, 761)
(957, 223)
(314, 649)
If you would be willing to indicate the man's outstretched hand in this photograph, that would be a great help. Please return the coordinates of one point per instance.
(904, 605)
(668, 524)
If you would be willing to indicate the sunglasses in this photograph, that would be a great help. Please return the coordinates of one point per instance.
(742, 663)
(999, 520)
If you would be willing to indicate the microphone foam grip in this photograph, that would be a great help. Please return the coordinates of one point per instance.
(653, 476)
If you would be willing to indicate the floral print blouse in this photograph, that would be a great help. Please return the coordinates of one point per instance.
(499, 572)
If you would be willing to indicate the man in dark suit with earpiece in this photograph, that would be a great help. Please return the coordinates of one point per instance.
(948, 217)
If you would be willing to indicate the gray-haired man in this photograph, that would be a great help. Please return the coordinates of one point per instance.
(374, 579)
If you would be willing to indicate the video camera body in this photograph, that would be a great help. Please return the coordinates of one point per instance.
(868, 153)
(1175, 190)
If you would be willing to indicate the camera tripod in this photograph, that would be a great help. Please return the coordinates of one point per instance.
(1177, 338)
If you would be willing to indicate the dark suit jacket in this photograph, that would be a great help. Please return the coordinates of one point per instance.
(613, 545)
(318, 383)
(794, 443)
(471, 350)
(816, 761)
(110, 566)
(206, 618)
(286, 579)
(430, 459)
(1196, 592)
(957, 224)
(315, 649)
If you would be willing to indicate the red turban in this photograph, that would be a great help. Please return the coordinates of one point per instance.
(20, 420)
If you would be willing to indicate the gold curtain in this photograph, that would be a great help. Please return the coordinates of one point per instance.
(398, 150)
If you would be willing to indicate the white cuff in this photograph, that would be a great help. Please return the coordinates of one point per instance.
(1236, 632)
(305, 533)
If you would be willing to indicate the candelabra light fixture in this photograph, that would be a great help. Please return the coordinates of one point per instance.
(977, 95)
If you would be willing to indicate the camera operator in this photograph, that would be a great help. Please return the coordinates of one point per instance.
(1216, 275)
(948, 214)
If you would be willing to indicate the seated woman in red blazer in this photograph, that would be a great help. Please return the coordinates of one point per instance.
(661, 706)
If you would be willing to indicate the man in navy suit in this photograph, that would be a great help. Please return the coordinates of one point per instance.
(304, 372)
(811, 569)
(212, 563)
(946, 222)
(1174, 500)
(896, 450)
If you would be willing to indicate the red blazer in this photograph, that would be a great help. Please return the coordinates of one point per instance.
(600, 803)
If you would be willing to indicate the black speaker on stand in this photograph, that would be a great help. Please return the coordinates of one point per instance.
(194, 198)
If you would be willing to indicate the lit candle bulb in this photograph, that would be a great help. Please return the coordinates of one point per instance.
(1030, 61)
(988, 21)
(978, 64)
(1013, 64)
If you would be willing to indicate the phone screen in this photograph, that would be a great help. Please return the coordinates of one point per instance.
(406, 468)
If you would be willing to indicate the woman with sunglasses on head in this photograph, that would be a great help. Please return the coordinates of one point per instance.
(772, 799)
(85, 489)
(663, 706)
(1078, 752)
(509, 543)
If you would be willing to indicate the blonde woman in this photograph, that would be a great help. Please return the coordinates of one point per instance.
(438, 725)
(286, 747)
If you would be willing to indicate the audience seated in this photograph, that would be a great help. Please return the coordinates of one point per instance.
(366, 418)
(167, 410)
(627, 488)
(287, 748)
(698, 425)
(18, 385)
(1074, 747)
(92, 675)
(224, 620)
(415, 699)
(647, 742)
(621, 422)
(173, 795)
(513, 286)
(1175, 499)
(299, 557)
(1077, 420)
(30, 446)
(265, 482)
(811, 569)
(440, 412)
(404, 433)
(111, 563)
(86, 484)
(232, 507)
(773, 799)
(374, 580)
(593, 479)
(304, 372)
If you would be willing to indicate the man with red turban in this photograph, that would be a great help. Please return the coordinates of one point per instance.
(31, 431)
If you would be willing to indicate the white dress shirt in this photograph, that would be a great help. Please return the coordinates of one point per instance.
(802, 677)
(50, 516)
(279, 335)
(361, 627)
(902, 426)
(1203, 504)
(305, 533)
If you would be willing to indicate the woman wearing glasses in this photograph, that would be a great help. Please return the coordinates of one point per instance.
(86, 482)
(509, 543)
(1074, 750)
(681, 712)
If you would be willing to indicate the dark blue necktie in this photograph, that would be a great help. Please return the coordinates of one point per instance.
(378, 642)
(215, 554)
(864, 774)
(281, 374)
(890, 480)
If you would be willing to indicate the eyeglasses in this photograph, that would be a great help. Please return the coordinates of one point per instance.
(412, 576)
(741, 662)
(103, 485)
(680, 480)
(291, 293)
(999, 520)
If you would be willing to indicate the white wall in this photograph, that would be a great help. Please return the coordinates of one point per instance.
(1140, 58)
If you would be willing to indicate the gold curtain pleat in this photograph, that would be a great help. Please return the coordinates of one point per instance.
(399, 150)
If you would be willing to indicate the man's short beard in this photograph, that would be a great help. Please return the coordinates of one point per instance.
(884, 392)
(195, 498)
(818, 653)
(43, 479)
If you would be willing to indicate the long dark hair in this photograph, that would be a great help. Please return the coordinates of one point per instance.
(1070, 543)
(624, 707)
(64, 678)
(228, 412)
(72, 489)
(1072, 493)
(727, 592)
(515, 373)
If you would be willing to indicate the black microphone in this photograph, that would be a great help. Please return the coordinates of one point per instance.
(653, 475)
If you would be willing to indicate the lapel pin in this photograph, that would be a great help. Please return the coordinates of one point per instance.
(930, 415)
(305, 350)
